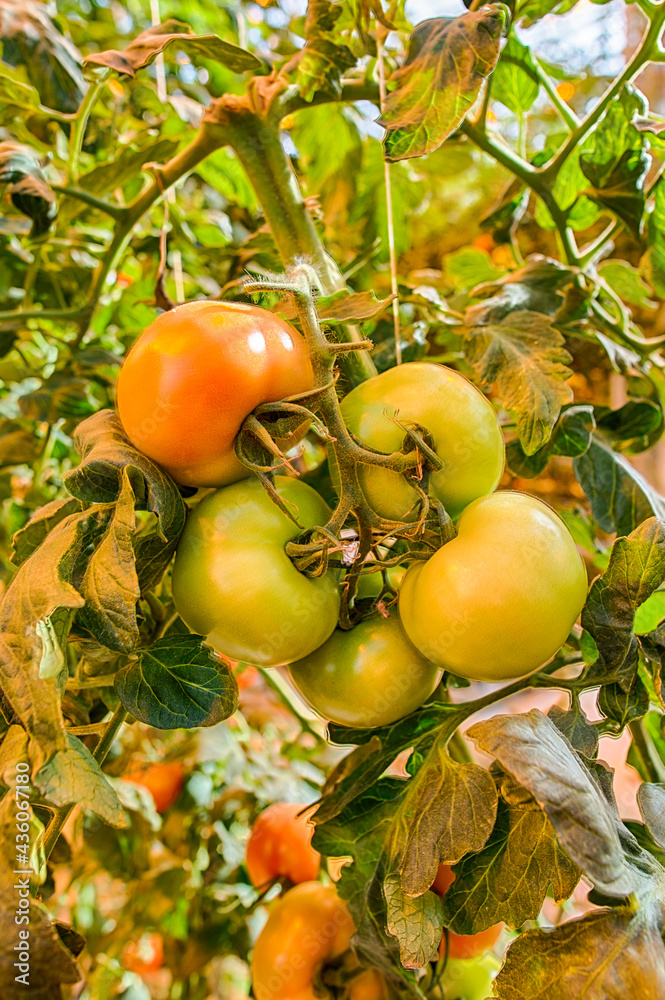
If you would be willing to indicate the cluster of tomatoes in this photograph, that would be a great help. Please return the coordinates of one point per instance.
(495, 602)
(310, 925)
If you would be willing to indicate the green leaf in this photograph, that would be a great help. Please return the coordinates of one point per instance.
(540, 758)
(509, 879)
(416, 923)
(148, 45)
(532, 10)
(567, 191)
(525, 355)
(627, 282)
(515, 80)
(447, 62)
(635, 570)
(72, 775)
(17, 94)
(176, 684)
(616, 162)
(126, 167)
(536, 287)
(571, 437)
(653, 262)
(649, 615)
(448, 810)
(609, 953)
(620, 497)
(576, 728)
(21, 172)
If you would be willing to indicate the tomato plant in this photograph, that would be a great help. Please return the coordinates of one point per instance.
(193, 376)
(233, 582)
(462, 946)
(280, 845)
(331, 346)
(501, 598)
(368, 676)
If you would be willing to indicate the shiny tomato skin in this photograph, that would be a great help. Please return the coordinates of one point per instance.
(164, 782)
(233, 582)
(462, 945)
(460, 419)
(193, 376)
(279, 845)
(500, 599)
(308, 926)
(368, 676)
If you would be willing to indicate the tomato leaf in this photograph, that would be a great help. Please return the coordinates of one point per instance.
(110, 585)
(609, 954)
(99, 478)
(323, 59)
(448, 60)
(617, 162)
(515, 81)
(540, 758)
(52, 63)
(360, 831)
(576, 728)
(21, 172)
(32, 534)
(73, 775)
(176, 684)
(651, 800)
(116, 173)
(571, 437)
(448, 810)
(624, 705)
(525, 355)
(509, 878)
(416, 923)
(148, 45)
(653, 262)
(636, 568)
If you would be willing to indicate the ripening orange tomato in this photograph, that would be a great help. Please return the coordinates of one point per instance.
(280, 845)
(193, 376)
(163, 781)
(145, 955)
(462, 945)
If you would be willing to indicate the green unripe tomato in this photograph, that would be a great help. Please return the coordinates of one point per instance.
(368, 676)
(234, 583)
(501, 598)
(469, 978)
(464, 429)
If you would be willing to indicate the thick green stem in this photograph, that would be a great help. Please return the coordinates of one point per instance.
(115, 211)
(258, 146)
(100, 754)
(546, 82)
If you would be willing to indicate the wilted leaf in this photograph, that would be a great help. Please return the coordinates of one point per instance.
(21, 171)
(509, 879)
(110, 585)
(17, 445)
(608, 955)
(106, 452)
(538, 756)
(32, 534)
(447, 62)
(72, 775)
(147, 46)
(416, 923)
(651, 800)
(576, 728)
(448, 810)
(624, 705)
(176, 684)
(636, 568)
(31, 40)
(323, 59)
(525, 355)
